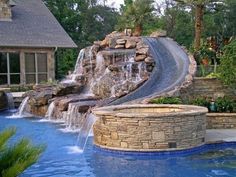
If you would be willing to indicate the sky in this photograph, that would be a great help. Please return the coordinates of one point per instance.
(115, 3)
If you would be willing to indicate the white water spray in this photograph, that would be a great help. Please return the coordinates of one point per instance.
(10, 101)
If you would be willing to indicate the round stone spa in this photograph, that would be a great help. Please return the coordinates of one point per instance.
(150, 127)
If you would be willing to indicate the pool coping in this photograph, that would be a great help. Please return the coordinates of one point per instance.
(185, 110)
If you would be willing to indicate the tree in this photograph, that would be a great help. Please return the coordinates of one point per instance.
(135, 13)
(177, 21)
(15, 159)
(227, 68)
(85, 21)
(198, 6)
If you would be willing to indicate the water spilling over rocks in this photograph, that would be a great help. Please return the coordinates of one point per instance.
(108, 69)
(118, 69)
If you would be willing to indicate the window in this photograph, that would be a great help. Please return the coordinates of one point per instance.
(35, 67)
(9, 68)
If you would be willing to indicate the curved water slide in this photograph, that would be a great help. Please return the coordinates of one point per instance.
(174, 69)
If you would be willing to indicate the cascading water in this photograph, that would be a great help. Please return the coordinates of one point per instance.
(74, 119)
(78, 70)
(22, 108)
(50, 111)
(86, 130)
(10, 101)
(138, 77)
(79, 63)
(90, 58)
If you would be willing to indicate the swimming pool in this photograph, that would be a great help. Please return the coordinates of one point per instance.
(59, 161)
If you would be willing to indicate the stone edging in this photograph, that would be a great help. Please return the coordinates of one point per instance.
(184, 110)
(221, 120)
(150, 128)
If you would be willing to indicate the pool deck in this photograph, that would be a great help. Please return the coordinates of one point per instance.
(220, 135)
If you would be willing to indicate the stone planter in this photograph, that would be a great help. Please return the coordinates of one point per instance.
(221, 120)
(150, 127)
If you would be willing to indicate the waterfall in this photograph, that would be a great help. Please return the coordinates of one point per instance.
(22, 107)
(100, 64)
(10, 101)
(138, 77)
(86, 130)
(90, 58)
(74, 119)
(78, 70)
(50, 111)
(79, 63)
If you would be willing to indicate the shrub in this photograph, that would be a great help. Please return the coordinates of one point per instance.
(213, 75)
(225, 104)
(200, 101)
(167, 100)
(227, 68)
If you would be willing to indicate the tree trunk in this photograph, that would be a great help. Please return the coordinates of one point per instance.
(138, 30)
(198, 25)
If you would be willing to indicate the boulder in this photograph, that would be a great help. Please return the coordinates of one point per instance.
(130, 44)
(120, 41)
(114, 68)
(141, 44)
(149, 60)
(159, 33)
(3, 100)
(140, 58)
(128, 32)
(97, 43)
(112, 43)
(143, 51)
(119, 46)
(104, 43)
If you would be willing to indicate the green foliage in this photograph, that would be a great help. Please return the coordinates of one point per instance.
(227, 68)
(85, 21)
(204, 53)
(167, 100)
(222, 104)
(66, 59)
(225, 104)
(180, 25)
(200, 101)
(15, 159)
(135, 13)
(213, 75)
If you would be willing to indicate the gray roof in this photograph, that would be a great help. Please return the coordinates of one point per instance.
(33, 25)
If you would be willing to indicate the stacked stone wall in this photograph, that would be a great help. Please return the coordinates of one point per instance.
(221, 121)
(207, 87)
(150, 131)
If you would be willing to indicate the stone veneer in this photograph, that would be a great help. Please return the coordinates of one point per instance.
(5, 11)
(150, 127)
(221, 120)
(207, 87)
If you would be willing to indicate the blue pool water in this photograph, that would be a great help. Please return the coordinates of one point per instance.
(57, 160)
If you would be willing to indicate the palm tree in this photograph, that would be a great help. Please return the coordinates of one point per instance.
(15, 159)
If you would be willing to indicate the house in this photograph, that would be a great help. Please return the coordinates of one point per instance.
(29, 38)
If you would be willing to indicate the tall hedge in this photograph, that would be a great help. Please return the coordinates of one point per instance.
(227, 68)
